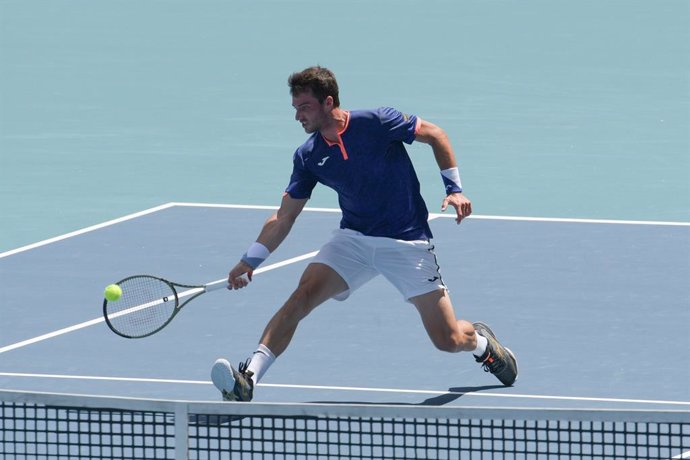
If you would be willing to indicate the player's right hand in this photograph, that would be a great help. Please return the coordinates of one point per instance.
(236, 278)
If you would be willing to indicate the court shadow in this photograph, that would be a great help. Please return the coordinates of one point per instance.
(453, 394)
(456, 393)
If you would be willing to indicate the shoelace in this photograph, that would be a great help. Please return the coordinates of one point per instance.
(242, 367)
(492, 365)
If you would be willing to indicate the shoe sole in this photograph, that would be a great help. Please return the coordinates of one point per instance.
(222, 376)
(514, 362)
(512, 355)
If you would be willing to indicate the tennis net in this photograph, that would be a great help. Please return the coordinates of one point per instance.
(48, 425)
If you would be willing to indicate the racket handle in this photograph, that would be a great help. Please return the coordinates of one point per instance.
(220, 284)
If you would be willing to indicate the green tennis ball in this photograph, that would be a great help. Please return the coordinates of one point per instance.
(113, 292)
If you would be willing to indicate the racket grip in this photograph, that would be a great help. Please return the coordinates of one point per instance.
(221, 284)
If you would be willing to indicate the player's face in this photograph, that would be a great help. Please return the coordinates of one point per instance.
(311, 113)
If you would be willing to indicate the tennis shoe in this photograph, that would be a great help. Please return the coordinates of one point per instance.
(497, 359)
(234, 385)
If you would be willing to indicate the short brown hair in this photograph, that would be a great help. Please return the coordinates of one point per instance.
(319, 80)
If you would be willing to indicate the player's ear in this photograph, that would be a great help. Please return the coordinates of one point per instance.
(328, 103)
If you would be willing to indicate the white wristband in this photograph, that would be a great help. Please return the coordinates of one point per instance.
(256, 254)
(451, 180)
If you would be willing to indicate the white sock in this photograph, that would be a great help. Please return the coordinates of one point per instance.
(481, 345)
(261, 361)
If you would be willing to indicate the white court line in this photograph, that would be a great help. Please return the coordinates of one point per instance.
(451, 215)
(345, 388)
(448, 215)
(95, 321)
(86, 230)
(247, 206)
(569, 220)
(683, 455)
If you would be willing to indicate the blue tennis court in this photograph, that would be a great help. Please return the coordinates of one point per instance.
(573, 299)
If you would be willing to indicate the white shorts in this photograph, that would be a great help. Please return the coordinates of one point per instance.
(410, 266)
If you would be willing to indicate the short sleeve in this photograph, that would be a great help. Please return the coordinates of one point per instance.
(398, 126)
(302, 182)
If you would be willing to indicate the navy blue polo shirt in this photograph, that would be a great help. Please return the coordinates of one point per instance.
(369, 168)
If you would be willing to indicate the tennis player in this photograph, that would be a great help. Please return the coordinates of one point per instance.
(384, 230)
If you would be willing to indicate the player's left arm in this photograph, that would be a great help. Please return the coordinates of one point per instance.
(429, 133)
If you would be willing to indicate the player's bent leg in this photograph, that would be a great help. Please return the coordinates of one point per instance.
(450, 334)
(446, 332)
(319, 283)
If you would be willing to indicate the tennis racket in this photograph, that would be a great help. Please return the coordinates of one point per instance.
(149, 303)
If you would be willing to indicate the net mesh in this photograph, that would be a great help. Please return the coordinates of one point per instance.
(146, 305)
(41, 430)
(389, 438)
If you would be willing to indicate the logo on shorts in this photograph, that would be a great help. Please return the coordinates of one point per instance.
(431, 280)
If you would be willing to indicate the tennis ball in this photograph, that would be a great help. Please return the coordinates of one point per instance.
(113, 292)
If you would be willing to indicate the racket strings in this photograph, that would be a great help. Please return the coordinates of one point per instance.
(146, 305)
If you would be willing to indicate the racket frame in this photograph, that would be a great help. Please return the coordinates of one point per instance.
(203, 288)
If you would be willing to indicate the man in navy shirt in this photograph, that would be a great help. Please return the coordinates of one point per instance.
(384, 229)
